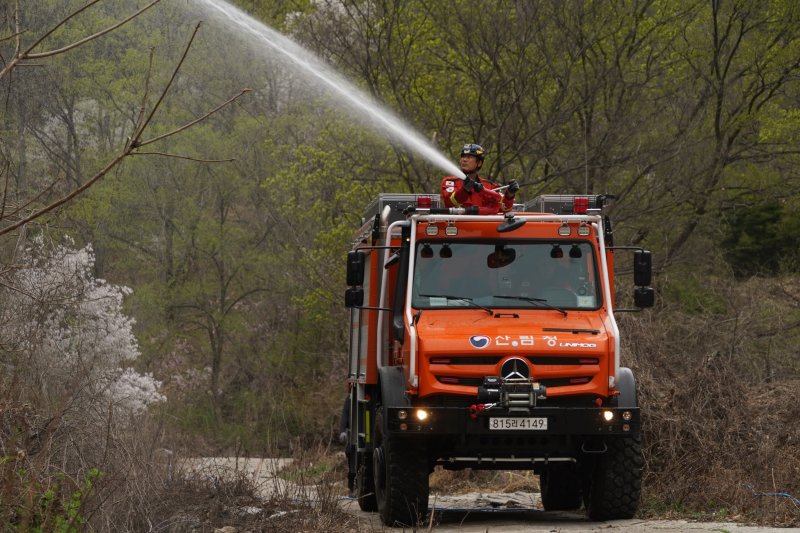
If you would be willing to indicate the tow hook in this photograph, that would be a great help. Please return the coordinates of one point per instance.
(476, 408)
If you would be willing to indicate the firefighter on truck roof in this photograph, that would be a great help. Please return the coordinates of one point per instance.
(473, 190)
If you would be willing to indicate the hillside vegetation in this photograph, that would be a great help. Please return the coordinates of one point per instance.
(190, 297)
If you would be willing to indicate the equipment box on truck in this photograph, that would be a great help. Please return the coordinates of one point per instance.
(489, 342)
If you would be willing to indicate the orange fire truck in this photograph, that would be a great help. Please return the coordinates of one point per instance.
(490, 342)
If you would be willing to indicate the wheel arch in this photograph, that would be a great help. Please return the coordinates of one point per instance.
(626, 385)
(392, 385)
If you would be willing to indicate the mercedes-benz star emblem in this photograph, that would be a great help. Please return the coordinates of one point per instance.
(515, 368)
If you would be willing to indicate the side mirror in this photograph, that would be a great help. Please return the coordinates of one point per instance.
(394, 259)
(642, 268)
(354, 297)
(644, 297)
(501, 257)
(355, 267)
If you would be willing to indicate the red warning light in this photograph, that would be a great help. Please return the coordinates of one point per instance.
(580, 206)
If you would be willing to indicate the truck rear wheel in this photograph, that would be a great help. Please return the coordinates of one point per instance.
(616, 480)
(400, 466)
(561, 488)
(365, 485)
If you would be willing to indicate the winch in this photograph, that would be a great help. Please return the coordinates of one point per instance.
(517, 394)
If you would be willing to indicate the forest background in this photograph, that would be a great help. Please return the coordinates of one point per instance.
(193, 292)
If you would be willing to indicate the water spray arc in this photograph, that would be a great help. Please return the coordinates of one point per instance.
(315, 70)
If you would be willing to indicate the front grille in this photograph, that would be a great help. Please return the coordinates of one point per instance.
(494, 359)
(562, 382)
(550, 382)
(481, 360)
(454, 380)
(557, 361)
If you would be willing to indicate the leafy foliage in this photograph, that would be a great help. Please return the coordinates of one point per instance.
(686, 111)
(762, 240)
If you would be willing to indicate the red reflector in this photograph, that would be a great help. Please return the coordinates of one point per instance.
(587, 361)
(580, 206)
(578, 381)
(368, 397)
(440, 361)
(449, 380)
(424, 202)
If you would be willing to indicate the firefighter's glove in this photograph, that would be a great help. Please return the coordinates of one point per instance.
(472, 185)
(513, 187)
(343, 437)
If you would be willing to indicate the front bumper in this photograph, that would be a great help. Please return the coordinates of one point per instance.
(567, 421)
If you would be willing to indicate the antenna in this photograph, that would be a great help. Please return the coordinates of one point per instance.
(586, 154)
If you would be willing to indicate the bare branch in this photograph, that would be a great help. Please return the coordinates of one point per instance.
(132, 144)
(177, 156)
(17, 289)
(27, 54)
(6, 173)
(143, 106)
(92, 37)
(29, 202)
(12, 36)
(54, 28)
(192, 123)
(68, 197)
(139, 130)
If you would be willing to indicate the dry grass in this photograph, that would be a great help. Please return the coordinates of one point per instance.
(468, 480)
(719, 387)
(63, 473)
(63, 470)
(303, 498)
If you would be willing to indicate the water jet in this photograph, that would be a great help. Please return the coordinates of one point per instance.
(314, 69)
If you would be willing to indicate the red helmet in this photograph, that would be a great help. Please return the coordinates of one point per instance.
(473, 149)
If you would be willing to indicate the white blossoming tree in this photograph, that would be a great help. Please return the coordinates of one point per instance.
(71, 336)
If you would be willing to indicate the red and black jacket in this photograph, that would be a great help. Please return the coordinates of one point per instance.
(488, 201)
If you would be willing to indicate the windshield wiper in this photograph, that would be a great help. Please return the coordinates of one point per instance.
(538, 301)
(462, 298)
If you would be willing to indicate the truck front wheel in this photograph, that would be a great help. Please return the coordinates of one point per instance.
(400, 466)
(561, 488)
(615, 480)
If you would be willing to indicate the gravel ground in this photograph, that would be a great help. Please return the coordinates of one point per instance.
(482, 512)
(517, 513)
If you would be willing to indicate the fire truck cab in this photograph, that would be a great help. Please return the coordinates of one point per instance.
(490, 342)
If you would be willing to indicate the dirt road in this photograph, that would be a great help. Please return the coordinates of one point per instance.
(517, 513)
(466, 513)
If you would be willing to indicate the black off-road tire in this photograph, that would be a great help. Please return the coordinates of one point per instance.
(561, 488)
(616, 480)
(400, 466)
(365, 485)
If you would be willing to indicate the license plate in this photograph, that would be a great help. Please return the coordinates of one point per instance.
(524, 423)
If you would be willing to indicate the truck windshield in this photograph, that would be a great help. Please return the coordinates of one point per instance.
(508, 275)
